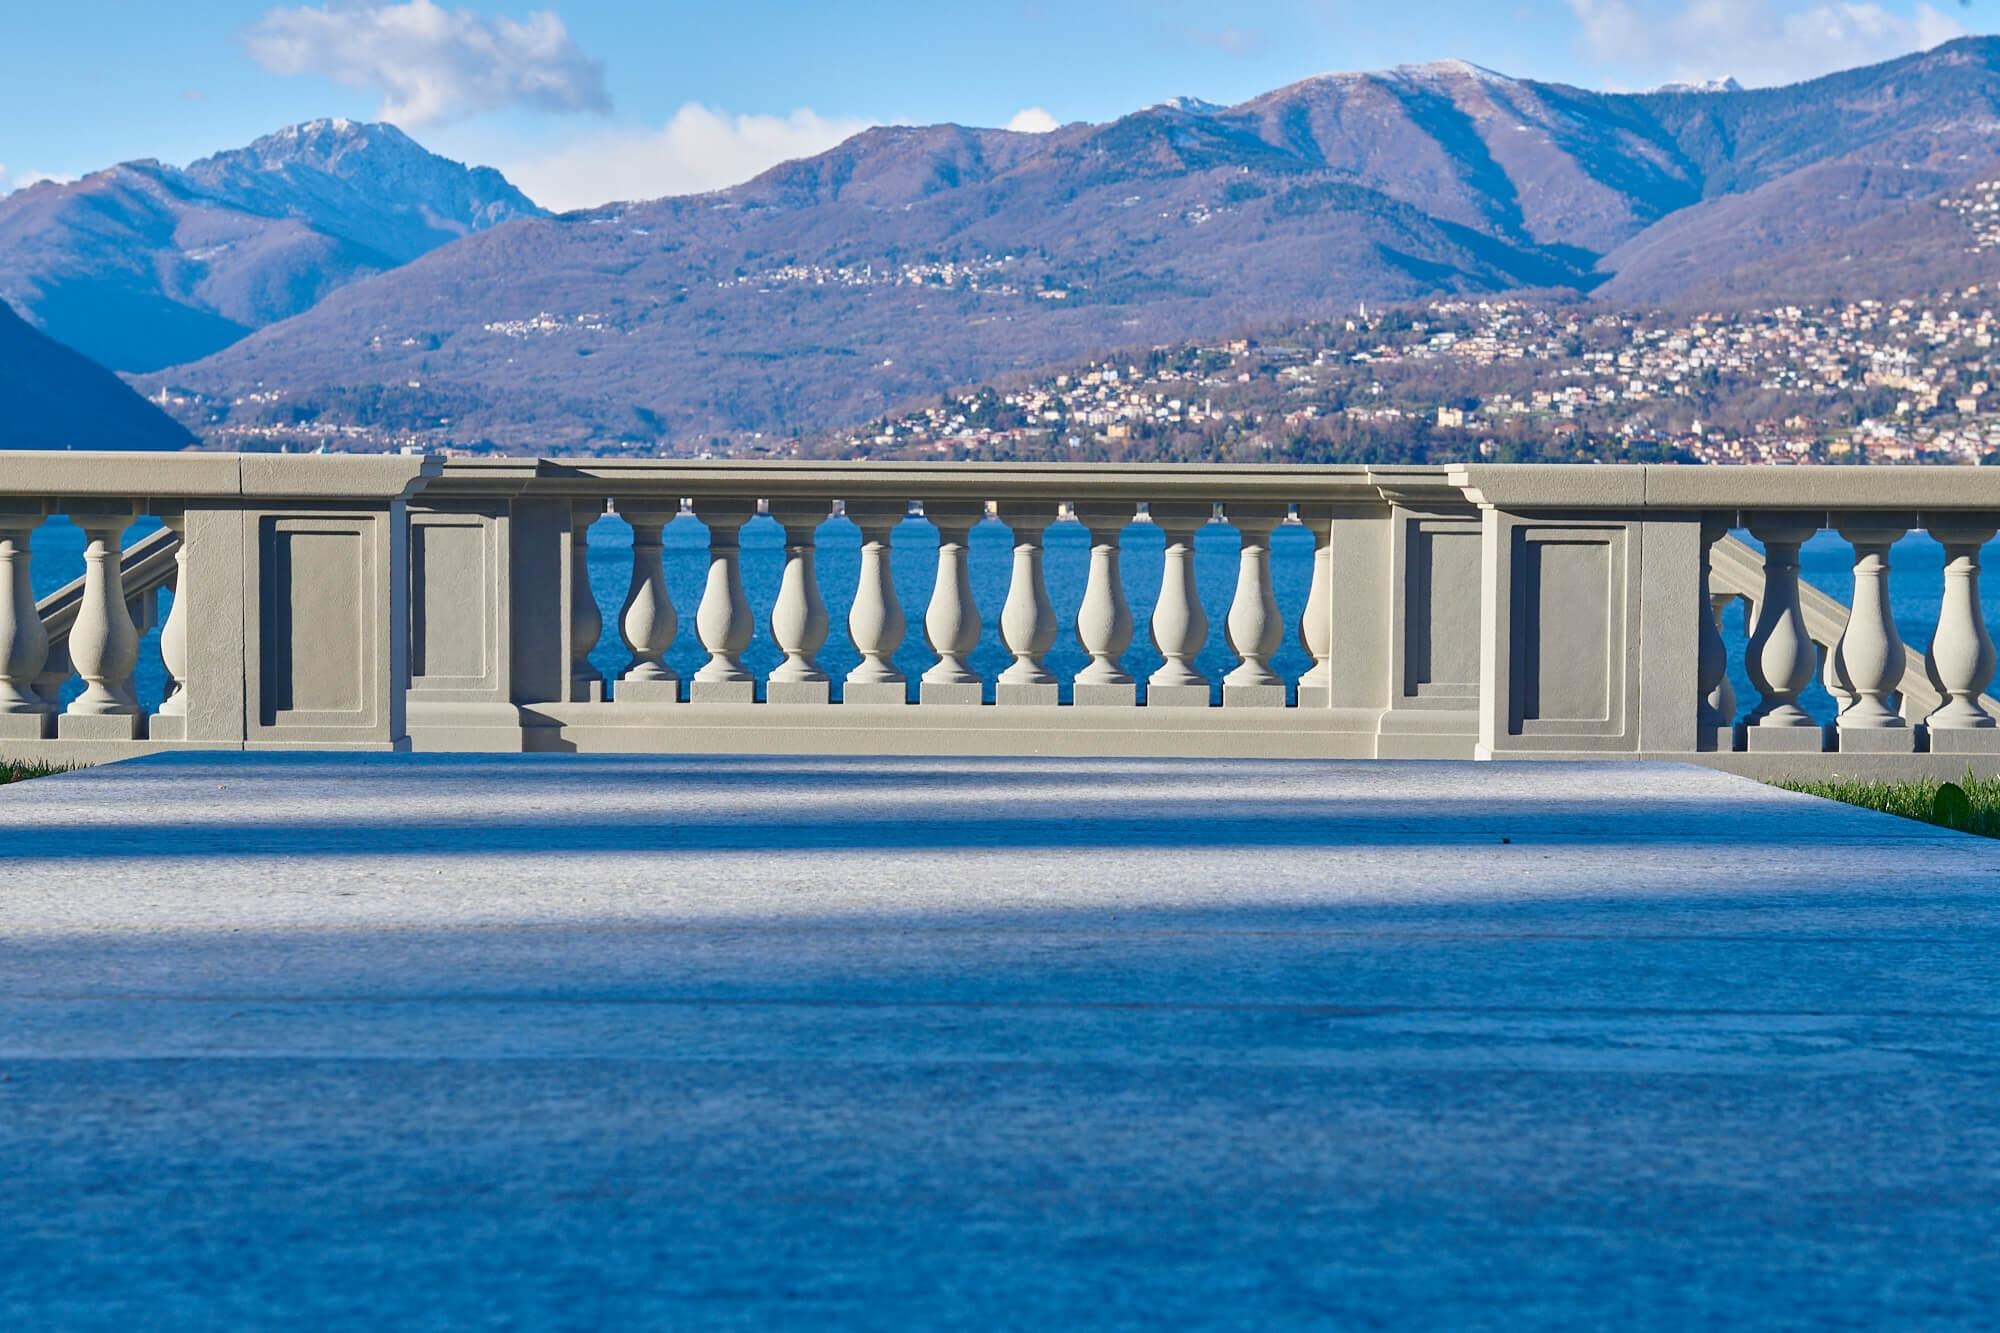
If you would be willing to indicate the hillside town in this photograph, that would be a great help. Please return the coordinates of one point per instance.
(1861, 381)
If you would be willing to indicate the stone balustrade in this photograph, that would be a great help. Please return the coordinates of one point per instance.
(1478, 611)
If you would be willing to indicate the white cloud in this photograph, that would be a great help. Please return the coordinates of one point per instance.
(1756, 41)
(432, 64)
(698, 149)
(1033, 120)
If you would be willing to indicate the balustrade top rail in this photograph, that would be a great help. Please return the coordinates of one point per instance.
(153, 477)
(1465, 610)
(1512, 485)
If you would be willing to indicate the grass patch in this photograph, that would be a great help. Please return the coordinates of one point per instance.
(20, 770)
(1969, 805)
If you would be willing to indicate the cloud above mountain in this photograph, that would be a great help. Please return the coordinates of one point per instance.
(1757, 41)
(1033, 120)
(698, 149)
(430, 64)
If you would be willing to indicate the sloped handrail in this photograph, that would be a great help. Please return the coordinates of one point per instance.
(144, 567)
(1737, 568)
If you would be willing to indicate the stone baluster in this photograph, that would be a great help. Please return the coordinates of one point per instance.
(1869, 658)
(1255, 629)
(586, 623)
(1711, 657)
(1961, 656)
(647, 621)
(1180, 625)
(1781, 657)
(798, 618)
(24, 640)
(951, 622)
(1721, 699)
(56, 671)
(1316, 621)
(103, 641)
(1833, 677)
(724, 619)
(1104, 620)
(170, 720)
(1028, 618)
(875, 622)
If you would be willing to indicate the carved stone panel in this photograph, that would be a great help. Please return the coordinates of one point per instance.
(320, 640)
(1441, 581)
(453, 582)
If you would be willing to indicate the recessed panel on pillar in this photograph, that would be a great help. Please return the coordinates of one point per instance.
(1441, 658)
(452, 643)
(321, 641)
(1563, 631)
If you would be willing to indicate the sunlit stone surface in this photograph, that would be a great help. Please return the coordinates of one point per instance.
(464, 1041)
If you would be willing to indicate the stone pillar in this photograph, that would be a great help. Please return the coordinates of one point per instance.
(1255, 629)
(586, 622)
(798, 619)
(724, 618)
(24, 640)
(1961, 656)
(1781, 657)
(875, 622)
(1028, 619)
(1316, 621)
(647, 622)
(1870, 657)
(1104, 621)
(1180, 625)
(103, 641)
(951, 622)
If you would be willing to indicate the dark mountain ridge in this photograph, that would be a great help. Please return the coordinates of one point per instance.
(55, 398)
(906, 260)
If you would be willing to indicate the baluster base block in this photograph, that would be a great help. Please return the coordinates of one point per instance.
(1013, 693)
(1779, 740)
(1964, 740)
(875, 692)
(1118, 696)
(1315, 696)
(797, 692)
(27, 726)
(1177, 696)
(949, 692)
(666, 691)
(101, 727)
(1871, 740)
(1252, 696)
(167, 727)
(586, 691)
(722, 691)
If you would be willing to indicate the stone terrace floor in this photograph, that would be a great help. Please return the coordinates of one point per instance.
(572, 1042)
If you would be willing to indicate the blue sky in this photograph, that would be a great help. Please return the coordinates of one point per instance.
(588, 100)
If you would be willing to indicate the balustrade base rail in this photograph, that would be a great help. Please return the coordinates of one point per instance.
(1469, 612)
(965, 732)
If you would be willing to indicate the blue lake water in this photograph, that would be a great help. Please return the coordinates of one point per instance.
(1826, 560)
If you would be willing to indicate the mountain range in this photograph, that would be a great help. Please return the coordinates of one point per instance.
(910, 259)
(144, 265)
